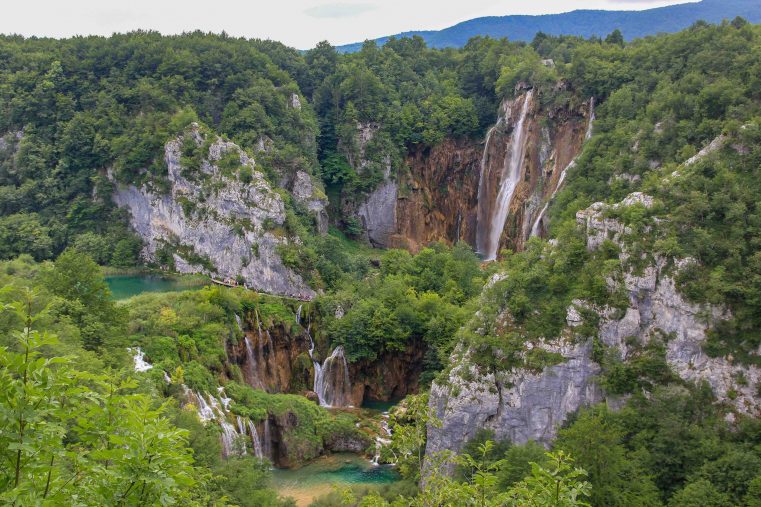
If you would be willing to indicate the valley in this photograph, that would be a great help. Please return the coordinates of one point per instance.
(234, 273)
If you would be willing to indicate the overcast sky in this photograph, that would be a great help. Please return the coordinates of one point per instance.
(298, 23)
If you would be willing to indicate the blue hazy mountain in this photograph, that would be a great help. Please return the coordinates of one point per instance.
(586, 23)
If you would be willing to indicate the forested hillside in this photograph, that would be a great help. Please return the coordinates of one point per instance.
(608, 355)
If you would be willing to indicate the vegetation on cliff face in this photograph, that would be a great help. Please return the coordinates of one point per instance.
(77, 422)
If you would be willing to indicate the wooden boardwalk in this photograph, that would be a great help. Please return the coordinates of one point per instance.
(233, 283)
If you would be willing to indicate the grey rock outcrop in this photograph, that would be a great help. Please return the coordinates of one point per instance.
(518, 405)
(377, 211)
(657, 309)
(213, 221)
(305, 192)
(522, 405)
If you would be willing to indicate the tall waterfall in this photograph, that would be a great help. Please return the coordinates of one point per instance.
(536, 228)
(253, 365)
(490, 227)
(336, 390)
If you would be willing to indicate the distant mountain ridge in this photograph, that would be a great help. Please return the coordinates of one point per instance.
(585, 23)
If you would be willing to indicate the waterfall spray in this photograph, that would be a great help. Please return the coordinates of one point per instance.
(255, 439)
(488, 234)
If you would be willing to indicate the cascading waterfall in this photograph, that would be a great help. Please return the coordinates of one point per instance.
(255, 439)
(329, 394)
(380, 442)
(138, 357)
(229, 437)
(253, 365)
(205, 412)
(490, 228)
(211, 408)
(335, 368)
(535, 229)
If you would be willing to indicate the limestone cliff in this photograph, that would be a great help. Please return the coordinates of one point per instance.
(448, 192)
(223, 221)
(523, 405)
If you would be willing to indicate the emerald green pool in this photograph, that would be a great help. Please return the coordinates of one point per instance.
(318, 477)
(380, 406)
(124, 287)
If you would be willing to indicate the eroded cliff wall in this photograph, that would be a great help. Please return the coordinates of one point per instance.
(437, 194)
(222, 222)
(522, 404)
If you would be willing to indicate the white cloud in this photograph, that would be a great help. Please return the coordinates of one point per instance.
(299, 23)
(339, 10)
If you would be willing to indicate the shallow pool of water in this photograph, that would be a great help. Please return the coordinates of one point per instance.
(318, 477)
(126, 286)
(380, 406)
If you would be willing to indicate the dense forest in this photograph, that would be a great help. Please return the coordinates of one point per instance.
(80, 117)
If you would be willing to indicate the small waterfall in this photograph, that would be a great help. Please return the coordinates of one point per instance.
(488, 234)
(380, 442)
(536, 228)
(458, 227)
(590, 123)
(253, 365)
(205, 412)
(255, 439)
(267, 443)
(334, 392)
(224, 399)
(229, 438)
(138, 356)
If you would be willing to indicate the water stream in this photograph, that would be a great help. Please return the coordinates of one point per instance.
(335, 391)
(490, 228)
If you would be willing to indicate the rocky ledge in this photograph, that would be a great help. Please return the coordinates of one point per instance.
(222, 222)
(522, 405)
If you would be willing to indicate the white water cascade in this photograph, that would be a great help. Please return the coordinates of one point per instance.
(487, 238)
(217, 409)
(380, 442)
(229, 437)
(138, 357)
(335, 366)
(255, 439)
(535, 229)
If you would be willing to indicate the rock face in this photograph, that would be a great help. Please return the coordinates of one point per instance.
(438, 198)
(378, 213)
(305, 192)
(522, 405)
(518, 405)
(391, 377)
(656, 309)
(275, 358)
(212, 221)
